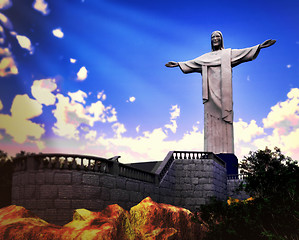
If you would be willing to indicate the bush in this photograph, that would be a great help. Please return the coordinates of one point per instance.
(274, 211)
(270, 175)
(6, 169)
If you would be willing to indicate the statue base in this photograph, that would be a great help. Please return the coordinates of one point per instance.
(231, 162)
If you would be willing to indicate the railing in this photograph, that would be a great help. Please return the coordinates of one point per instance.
(131, 172)
(103, 165)
(236, 177)
(63, 161)
(191, 155)
(81, 163)
(173, 155)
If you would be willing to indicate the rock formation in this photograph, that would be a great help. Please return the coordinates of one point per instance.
(147, 220)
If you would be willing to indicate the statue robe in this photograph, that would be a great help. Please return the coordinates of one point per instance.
(216, 70)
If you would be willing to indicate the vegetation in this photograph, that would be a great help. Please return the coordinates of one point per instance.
(6, 170)
(5, 179)
(272, 213)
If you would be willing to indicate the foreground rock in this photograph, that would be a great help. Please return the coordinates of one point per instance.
(112, 223)
(163, 221)
(18, 223)
(147, 220)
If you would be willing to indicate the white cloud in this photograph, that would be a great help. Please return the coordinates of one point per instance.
(284, 120)
(91, 135)
(24, 107)
(70, 115)
(18, 125)
(72, 60)
(151, 145)
(5, 22)
(131, 99)
(78, 96)
(40, 144)
(102, 95)
(58, 33)
(174, 114)
(175, 111)
(4, 4)
(283, 124)
(41, 6)
(42, 91)
(7, 64)
(112, 117)
(172, 126)
(244, 135)
(25, 43)
(288, 143)
(137, 128)
(118, 129)
(289, 66)
(82, 74)
(284, 116)
(98, 109)
(244, 132)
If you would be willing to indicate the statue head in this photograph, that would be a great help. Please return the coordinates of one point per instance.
(217, 41)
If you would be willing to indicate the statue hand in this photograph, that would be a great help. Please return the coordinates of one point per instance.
(172, 64)
(267, 43)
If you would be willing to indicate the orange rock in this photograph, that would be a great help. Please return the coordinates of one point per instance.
(147, 220)
(232, 200)
(18, 223)
(161, 221)
(249, 199)
(235, 200)
(112, 223)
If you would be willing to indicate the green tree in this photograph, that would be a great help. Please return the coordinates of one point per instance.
(6, 168)
(272, 179)
(270, 174)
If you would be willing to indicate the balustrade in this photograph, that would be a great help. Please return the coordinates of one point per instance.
(63, 161)
(81, 163)
(192, 155)
(131, 172)
(236, 177)
(183, 155)
(111, 166)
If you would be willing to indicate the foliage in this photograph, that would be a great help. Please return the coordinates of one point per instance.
(6, 170)
(270, 174)
(273, 213)
(23, 154)
(5, 179)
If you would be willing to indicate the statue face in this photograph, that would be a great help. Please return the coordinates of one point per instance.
(216, 40)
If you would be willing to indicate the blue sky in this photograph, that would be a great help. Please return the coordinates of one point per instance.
(88, 76)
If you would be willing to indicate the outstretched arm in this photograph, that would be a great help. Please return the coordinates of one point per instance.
(267, 43)
(172, 64)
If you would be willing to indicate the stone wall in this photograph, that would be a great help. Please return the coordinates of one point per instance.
(197, 180)
(232, 185)
(53, 194)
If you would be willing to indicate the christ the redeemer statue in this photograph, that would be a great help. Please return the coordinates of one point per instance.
(216, 70)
